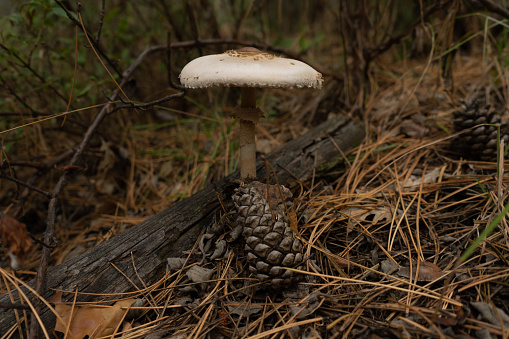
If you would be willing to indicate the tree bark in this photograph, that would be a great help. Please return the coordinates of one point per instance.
(141, 251)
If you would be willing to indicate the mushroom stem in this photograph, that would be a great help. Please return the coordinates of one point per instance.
(248, 95)
(247, 134)
(247, 149)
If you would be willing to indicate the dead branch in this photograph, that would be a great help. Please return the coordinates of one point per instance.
(104, 268)
(33, 71)
(144, 106)
(49, 233)
(4, 175)
(17, 306)
(95, 44)
(495, 8)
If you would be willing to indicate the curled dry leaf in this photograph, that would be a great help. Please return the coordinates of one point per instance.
(311, 333)
(414, 181)
(378, 214)
(414, 129)
(427, 271)
(309, 305)
(492, 314)
(91, 321)
(176, 263)
(245, 309)
(388, 266)
(219, 250)
(199, 274)
(14, 237)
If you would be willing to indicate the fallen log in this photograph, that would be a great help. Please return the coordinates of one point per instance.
(140, 252)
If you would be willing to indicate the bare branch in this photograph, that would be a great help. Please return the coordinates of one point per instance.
(130, 104)
(495, 8)
(97, 46)
(33, 71)
(49, 233)
(99, 30)
(21, 183)
(17, 306)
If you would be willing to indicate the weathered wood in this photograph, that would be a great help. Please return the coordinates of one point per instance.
(176, 229)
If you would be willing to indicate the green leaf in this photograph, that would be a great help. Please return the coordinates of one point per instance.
(84, 90)
(484, 234)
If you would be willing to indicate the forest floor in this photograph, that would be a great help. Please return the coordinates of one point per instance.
(406, 235)
(386, 228)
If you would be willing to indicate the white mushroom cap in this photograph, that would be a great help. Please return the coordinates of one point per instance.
(248, 67)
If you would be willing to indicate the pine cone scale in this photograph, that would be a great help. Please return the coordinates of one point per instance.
(270, 243)
(480, 143)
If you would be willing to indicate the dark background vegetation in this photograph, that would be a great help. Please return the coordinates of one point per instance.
(139, 161)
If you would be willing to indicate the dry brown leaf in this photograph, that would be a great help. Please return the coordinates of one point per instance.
(427, 271)
(414, 181)
(388, 266)
(343, 263)
(14, 236)
(91, 321)
(176, 263)
(199, 274)
(308, 306)
(311, 333)
(492, 314)
(379, 214)
(244, 309)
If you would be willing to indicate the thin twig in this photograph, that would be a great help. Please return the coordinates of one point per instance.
(49, 233)
(96, 46)
(42, 243)
(33, 71)
(170, 64)
(130, 104)
(17, 306)
(495, 8)
(14, 94)
(388, 43)
(21, 183)
(99, 30)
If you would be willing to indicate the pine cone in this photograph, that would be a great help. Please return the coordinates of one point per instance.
(479, 143)
(270, 245)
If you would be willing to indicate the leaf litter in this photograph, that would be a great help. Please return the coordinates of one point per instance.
(383, 240)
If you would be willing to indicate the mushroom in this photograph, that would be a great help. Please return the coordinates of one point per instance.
(248, 68)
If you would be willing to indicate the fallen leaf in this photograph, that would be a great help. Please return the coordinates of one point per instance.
(388, 266)
(414, 181)
(15, 238)
(308, 306)
(311, 333)
(343, 263)
(199, 274)
(427, 271)
(176, 263)
(378, 214)
(244, 310)
(91, 321)
(492, 314)
(414, 129)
